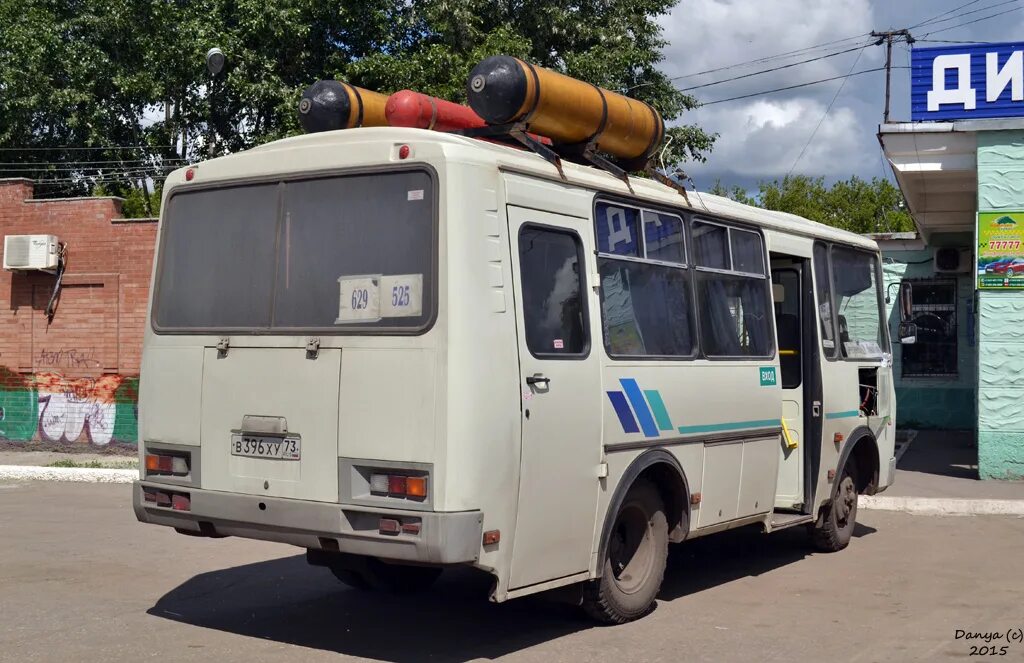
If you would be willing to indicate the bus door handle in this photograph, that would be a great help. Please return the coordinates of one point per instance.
(538, 378)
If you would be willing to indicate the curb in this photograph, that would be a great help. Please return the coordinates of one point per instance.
(942, 506)
(78, 474)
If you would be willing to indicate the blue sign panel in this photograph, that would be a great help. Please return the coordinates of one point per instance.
(961, 82)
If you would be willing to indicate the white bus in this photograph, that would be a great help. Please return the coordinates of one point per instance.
(404, 350)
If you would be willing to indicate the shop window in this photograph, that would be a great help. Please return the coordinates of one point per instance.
(933, 310)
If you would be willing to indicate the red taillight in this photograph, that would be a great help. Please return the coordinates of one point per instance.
(389, 526)
(190, 174)
(163, 499)
(403, 152)
(149, 495)
(164, 464)
(399, 485)
(396, 485)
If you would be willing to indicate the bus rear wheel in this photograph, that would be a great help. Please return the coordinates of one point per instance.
(834, 528)
(635, 557)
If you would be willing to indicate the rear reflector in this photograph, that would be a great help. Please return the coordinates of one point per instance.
(492, 536)
(411, 528)
(389, 526)
(149, 495)
(181, 502)
(163, 499)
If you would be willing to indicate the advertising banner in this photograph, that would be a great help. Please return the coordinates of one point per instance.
(1000, 250)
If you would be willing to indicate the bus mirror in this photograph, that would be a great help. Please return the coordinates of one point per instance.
(906, 301)
(907, 333)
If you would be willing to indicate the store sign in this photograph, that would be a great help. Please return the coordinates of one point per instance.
(967, 82)
(1000, 250)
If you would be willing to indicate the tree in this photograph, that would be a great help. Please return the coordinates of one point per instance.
(857, 205)
(110, 75)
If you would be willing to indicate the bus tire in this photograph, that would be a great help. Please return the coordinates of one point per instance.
(835, 527)
(634, 561)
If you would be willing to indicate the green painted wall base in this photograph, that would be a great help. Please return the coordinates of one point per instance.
(935, 407)
(1000, 455)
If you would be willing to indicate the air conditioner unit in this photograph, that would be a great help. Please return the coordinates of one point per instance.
(952, 261)
(30, 252)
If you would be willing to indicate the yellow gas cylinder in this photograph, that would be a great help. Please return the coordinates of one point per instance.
(503, 89)
(328, 105)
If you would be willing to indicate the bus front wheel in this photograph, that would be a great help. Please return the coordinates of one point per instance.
(634, 562)
(835, 525)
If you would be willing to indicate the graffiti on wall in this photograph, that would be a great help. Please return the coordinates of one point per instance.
(51, 407)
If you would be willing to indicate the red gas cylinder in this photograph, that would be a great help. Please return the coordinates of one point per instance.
(420, 111)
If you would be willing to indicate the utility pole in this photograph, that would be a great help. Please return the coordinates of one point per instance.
(887, 37)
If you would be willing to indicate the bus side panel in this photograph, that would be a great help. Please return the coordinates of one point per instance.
(483, 408)
(716, 417)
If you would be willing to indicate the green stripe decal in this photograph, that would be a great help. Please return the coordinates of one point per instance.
(842, 415)
(658, 407)
(734, 425)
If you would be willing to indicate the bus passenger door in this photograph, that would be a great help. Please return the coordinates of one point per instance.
(788, 295)
(560, 391)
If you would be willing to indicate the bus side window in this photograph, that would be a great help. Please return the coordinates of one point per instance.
(823, 288)
(554, 314)
(732, 292)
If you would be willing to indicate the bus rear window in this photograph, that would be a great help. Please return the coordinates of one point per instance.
(339, 254)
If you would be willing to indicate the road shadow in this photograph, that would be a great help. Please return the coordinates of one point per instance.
(287, 601)
(952, 453)
(722, 558)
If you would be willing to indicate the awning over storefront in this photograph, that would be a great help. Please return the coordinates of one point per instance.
(936, 167)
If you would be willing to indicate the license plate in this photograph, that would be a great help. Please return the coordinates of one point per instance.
(262, 446)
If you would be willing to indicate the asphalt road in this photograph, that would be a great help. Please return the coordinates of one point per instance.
(80, 580)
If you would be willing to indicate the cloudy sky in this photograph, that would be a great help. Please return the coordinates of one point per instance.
(762, 136)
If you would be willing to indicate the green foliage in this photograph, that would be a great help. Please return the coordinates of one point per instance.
(106, 73)
(857, 205)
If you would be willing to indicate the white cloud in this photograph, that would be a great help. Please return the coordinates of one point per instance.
(762, 139)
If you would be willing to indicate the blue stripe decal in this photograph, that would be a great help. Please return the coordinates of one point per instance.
(734, 425)
(643, 413)
(842, 415)
(658, 405)
(622, 410)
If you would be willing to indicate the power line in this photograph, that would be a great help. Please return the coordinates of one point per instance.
(793, 87)
(86, 147)
(88, 164)
(927, 21)
(767, 71)
(827, 109)
(800, 51)
(937, 20)
(978, 20)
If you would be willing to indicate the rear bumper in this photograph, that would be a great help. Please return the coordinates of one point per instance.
(444, 538)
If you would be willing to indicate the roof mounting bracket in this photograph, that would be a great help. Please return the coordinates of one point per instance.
(591, 154)
(662, 178)
(518, 132)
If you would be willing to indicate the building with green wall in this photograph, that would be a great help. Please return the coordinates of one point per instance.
(960, 164)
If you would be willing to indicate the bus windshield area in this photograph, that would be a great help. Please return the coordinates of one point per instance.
(855, 279)
(343, 254)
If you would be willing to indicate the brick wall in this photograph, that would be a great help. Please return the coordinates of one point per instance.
(73, 381)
